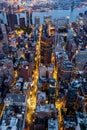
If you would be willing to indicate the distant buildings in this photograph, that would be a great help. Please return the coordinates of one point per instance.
(16, 18)
(52, 91)
(37, 20)
(48, 19)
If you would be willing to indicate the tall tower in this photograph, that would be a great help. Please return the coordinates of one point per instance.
(11, 16)
(4, 32)
(29, 17)
(1, 33)
(46, 50)
(56, 36)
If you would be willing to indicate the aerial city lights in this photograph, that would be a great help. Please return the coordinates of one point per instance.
(43, 65)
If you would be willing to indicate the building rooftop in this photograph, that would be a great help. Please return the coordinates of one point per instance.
(19, 99)
(45, 108)
(52, 81)
(52, 124)
(67, 65)
(76, 84)
(41, 96)
(13, 118)
(70, 121)
(43, 79)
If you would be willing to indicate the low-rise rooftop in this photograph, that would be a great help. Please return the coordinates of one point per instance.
(13, 118)
(41, 96)
(45, 108)
(19, 99)
(52, 124)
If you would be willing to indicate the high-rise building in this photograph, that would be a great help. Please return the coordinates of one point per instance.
(46, 50)
(1, 34)
(42, 114)
(3, 28)
(11, 20)
(66, 70)
(81, 59)
(46, 71)
(26, 70)
(30, 17)
(37, 20)
(22, 22)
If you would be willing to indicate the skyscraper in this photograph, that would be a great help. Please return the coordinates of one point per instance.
(46, 50)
